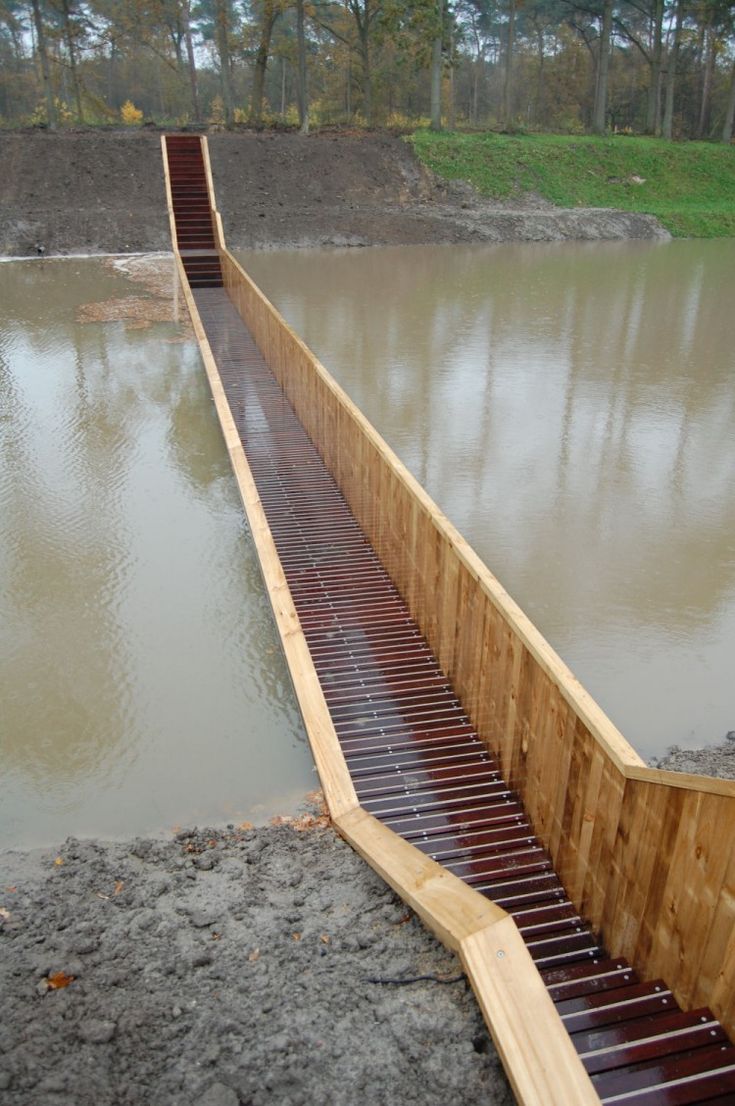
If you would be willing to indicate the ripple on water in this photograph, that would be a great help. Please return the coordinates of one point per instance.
(139, 674)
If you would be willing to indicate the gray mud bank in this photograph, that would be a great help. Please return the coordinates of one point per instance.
(103, 191)
(227, 968)
(713, 760)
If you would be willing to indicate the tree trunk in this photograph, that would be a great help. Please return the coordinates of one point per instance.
(111, 82)
(436, 85)
(193, 82)
(730, 112)
(653, 114)
(222, 36)
(667, 129)
(508, 79)
(367, 78)
(348, 88)
(599, 113)
(69, 36)
(303, 91)
(48, 92)
(539, 114)
(261, 61)
(452, 101)
(709, 62)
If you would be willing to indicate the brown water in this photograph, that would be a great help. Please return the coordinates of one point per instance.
(572, 409)
(141, 683)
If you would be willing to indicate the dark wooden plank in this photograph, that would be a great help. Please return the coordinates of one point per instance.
(669, 1069)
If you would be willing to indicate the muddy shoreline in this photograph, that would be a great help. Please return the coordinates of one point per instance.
(225, 968)
(102, 191)
(712, 760)
(235, 967)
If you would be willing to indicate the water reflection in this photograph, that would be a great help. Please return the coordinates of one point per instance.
(571, 409)
(139, 674)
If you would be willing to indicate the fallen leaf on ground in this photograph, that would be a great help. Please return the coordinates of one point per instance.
(309, 822)
(296, 936)
(325, 938)
(119, 884)
(254, 955)
(246, 826)
(317, 798)
(59, 980)
(4, 914)
(59, 861)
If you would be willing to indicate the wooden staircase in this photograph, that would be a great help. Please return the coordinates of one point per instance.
(192, 211)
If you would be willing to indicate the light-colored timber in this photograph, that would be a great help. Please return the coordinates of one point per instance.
(630, 843)
(645, 855)
(540, 1059)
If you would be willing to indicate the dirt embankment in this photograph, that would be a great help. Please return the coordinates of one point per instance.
(92, 191)
(236, 968)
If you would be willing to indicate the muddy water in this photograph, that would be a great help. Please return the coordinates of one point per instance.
(572, 409)
(141, 684)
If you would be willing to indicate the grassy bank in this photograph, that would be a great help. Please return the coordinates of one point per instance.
(689, 187)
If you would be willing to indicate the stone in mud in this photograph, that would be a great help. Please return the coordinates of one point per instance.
(219, 1095)
(95, 1032)
(205, 862)
(85, 944)
(202, 918)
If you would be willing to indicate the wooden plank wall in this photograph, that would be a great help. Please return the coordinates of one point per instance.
(646, 855)
(538, 1054)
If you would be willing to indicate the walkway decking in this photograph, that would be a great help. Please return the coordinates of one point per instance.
(419, 767)
(416, 762)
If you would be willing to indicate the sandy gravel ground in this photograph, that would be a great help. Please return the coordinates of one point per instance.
(714, 760)
(246, 966)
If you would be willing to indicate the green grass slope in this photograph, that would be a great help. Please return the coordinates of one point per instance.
(689, 187)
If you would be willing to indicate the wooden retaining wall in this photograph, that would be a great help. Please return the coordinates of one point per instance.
(645, 855)
(537, 1053)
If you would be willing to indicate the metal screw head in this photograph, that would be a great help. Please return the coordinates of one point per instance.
(500, 954)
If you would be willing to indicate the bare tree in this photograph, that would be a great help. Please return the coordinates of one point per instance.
(730, 109)
(508, 72)
(191, 59)
(653, 114)
(667, 128)
(70, 34)
(303, 93)
(436, 69)
(48, 92)
(222, 38)
(269, 14)
(599, 112)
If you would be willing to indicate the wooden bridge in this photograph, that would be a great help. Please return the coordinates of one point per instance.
(591, 899)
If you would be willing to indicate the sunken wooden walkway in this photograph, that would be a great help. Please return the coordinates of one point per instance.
(402, 759)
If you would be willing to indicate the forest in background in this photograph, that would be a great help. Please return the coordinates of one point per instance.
(658, 67)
